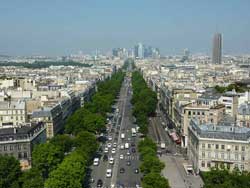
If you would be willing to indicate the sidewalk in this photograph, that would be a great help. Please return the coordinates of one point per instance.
(176, 175)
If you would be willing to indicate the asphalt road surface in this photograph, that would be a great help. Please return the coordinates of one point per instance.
(120, 124)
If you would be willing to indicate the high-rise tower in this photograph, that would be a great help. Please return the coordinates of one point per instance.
(217, 48)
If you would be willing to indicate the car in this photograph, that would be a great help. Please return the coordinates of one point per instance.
(109, 173)
(96, 162)
(128, 152)
(111, 160)
(106, 150)
(122, 170)
(105, 158)
(136, 171)
(121, 156)
(122, 146)
(110, 138)
(133, 150)
(114, 145)
(99, 183)
(92, 180)
(128, 163)
(133, 144)
(113, 150)
(109, 145)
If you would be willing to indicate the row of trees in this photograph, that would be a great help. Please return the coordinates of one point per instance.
(44, 64)
(221, 178)
(62, 162)
(237, 86)
(144, 101)
(151, 166)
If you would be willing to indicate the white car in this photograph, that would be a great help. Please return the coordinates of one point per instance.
(110, 138)
(121, 156)
(111, 160)
(122, 146)
(109, 173)
(96, 162)
(106, 150)
(128, 152)
(113, 150)
(109, 145)
(114, 144)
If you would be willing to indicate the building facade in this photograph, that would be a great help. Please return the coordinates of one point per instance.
(217, 48)
(221, 145)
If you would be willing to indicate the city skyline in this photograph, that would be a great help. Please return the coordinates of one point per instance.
(60, 28)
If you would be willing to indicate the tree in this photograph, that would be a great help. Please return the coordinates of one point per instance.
(151, 164)
(46, 157)
(32, 179)
(9, 172)
(153, 180)
(64, 142)
(69, 173)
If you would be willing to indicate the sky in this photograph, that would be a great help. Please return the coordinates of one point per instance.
(62, 27)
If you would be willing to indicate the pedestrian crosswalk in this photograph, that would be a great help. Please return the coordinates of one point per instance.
(131, 157)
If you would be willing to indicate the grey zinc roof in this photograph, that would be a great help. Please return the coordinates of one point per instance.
(41, 113)
(244, 109)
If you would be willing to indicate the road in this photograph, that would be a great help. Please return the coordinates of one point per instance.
(122, 123)
(173, 159)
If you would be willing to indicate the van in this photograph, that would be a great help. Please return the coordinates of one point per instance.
(126, 145)
(96, 161)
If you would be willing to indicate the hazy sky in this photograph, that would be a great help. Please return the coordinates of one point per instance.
(58, 27)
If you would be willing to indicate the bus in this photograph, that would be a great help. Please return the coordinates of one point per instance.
(133, 131)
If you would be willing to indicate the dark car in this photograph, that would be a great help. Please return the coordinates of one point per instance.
(105, 158)
(136, 170)
(133, 150)
(99, 183)
(128, 163)
(133, 144)
(122, 170)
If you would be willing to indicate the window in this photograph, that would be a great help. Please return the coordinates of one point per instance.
(203, 154)
(242, 167)
(222, 146)
(25, 155)
(228, 166)
(203, 146)
(236, 148)
(209, 146)
(243, 148)
(193, 113)
(19, 155)
(5, 148)
(11, 147)
(243, 158)
(24, 146)
(198, 113)
(203, 113)
(216, 155)
(203, 163)
(208, 164)
(209, 154)
(236, 156)
(189, 113)
(19, 147)
(217, 146)
(222, 155)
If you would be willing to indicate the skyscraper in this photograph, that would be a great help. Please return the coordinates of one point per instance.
(140, 51)
(217, 48)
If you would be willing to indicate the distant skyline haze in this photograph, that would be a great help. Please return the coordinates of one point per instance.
(62, 27)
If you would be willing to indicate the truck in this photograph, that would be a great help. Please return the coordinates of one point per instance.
(122, 136)
(163, 145)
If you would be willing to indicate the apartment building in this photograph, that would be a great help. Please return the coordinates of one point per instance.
(20, 141)
(220, 145)
(12, 113)
(52, 117)
(243, 115)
